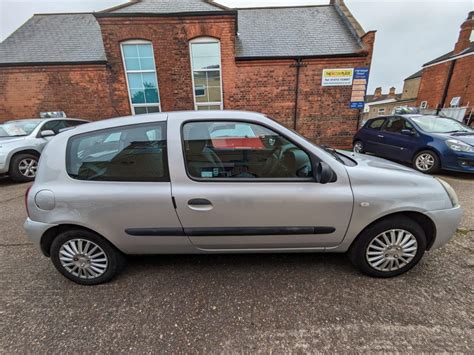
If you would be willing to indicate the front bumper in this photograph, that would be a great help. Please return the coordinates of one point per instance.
(446, 222)
(36, 230)
(458, 161)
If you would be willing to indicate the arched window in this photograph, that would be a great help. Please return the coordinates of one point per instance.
(206, 73)
(140, 72)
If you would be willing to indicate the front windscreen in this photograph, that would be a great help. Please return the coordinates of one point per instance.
(435, 124)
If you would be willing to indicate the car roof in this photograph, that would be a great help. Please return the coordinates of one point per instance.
(165, 116)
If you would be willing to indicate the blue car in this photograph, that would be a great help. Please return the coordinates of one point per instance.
(429, 143)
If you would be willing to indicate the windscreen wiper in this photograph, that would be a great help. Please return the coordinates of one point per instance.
(333, 152)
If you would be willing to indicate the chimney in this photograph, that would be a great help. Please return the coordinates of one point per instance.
(391, 93)
(377, 92)
(464, 40)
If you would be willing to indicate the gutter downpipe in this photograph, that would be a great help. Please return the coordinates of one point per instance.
(446, 87)
(299, 63)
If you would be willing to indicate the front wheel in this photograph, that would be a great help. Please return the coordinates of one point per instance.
(389, 248)
(426, 161)
(85, 257)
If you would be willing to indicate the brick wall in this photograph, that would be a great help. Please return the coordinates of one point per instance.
(462, 81)
(96, 92)
(79, 90)
(435, 77)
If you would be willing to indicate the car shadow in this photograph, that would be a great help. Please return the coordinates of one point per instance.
(6, 181)
(278, 262)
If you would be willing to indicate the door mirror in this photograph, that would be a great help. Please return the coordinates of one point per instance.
(47, 133)
(407, 132)
(323, 173)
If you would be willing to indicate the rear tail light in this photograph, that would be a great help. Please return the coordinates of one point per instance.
(26, 200)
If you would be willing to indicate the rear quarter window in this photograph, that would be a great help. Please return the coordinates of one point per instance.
(128, 153)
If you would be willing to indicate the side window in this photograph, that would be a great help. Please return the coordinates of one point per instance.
(396, 124)
(128, 153)
(376, 124)
(55, 126)
(241, 150)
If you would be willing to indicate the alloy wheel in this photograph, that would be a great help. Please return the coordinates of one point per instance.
(28, 167)
(358, 147)
(424, 162)
(83, 258)
(391, 250)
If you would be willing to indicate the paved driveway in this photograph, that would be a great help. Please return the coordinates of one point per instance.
(279, 302)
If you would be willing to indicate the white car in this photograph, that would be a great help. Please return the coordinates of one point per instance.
(22, 141)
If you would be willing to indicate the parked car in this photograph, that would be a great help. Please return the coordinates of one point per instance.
(22, 141)
(177, 183)
(429, 143)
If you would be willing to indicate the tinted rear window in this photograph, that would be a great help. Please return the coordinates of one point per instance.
(376, 124)
(128, 153)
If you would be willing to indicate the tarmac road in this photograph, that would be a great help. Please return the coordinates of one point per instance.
(230, 303)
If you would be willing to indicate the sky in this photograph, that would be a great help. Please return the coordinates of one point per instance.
(409, 32)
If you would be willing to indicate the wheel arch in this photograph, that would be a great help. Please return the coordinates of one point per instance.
(425, 222)
(53, 232)
(23, 151)
(426, 147)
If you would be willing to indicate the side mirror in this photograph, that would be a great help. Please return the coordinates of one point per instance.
(323, 173)
(47, 133)
(407, 132)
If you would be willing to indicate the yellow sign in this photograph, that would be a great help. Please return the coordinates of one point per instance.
(337, 77)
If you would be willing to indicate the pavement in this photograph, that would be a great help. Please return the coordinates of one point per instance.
(236, 303)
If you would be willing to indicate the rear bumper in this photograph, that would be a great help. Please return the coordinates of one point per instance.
(446, 222)
(36, 230)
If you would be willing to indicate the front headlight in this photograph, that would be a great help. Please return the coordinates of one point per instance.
(450, 191)
(459, 146)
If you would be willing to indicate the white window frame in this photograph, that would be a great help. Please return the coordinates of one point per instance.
(455, 101)
(203, 40)
(132, 105)
(423, 105)
(381, 110)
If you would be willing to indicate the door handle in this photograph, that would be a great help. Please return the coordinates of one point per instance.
(200, 204)
(380, 136)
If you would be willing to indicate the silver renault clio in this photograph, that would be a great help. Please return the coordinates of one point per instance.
(226, 182)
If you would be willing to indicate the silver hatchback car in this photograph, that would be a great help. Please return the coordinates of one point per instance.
(226, 182)
(22, 141)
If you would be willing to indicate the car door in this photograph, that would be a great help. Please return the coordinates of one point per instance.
(397, 145)
(372, 136)
(253, 192)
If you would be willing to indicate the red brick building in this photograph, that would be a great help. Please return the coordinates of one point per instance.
(161, 55)
(451, 76)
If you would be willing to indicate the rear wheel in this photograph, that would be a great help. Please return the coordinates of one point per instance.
(85, 257)
(389, 248)
(359, 147)
(23, 167)
(426, 161)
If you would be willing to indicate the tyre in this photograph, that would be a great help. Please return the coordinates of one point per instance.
(389, 247)
(85, 258)
(23, 167)
(426, 161)
(358, 147)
